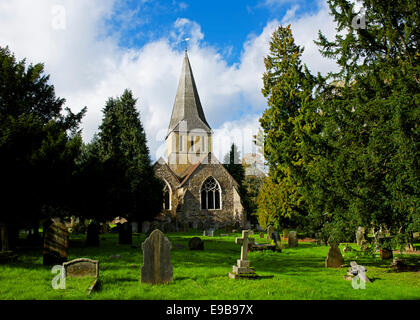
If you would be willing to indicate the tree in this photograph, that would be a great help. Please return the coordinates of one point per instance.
(38, 146)
(120, 156)
(232, 163)
(288, 88)
(370, 114)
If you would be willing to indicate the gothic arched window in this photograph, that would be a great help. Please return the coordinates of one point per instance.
(210, 194)
(166, 197)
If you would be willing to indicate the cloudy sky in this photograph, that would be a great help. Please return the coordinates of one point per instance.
(94, 49)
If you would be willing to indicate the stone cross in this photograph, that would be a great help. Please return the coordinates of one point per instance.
(244, 241)
(242, 269)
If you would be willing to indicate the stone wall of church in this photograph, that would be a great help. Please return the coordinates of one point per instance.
(190, 209)
(163, 173)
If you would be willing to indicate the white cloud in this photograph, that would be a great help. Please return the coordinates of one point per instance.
(87, 66)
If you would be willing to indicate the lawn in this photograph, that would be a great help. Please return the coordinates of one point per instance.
(293, 274)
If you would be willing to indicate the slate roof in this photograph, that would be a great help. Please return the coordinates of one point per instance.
(187, 112)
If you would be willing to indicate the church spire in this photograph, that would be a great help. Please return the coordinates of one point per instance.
(187, 112)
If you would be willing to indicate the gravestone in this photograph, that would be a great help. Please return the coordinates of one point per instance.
(81, 267)
(261, 234)
(145, 227)
(157, 267)
(92, 236)
(285, 233)
(125, 235)
(208, 233)
(360, 235)
(251, 232)
(134, 227)
(56, 243)
(270, 230)
(196, 243)
(292, 239)
(185, 227)
(385, 253)
(243, 269)
(277, 239)
(334, 258)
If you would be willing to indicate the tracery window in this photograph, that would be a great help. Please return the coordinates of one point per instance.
(210, 194)
(166, 197)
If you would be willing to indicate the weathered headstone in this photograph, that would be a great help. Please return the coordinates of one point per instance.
(270, 230)
(56, 243)
(125, 235)
(185, 227)
(243, 269)
(285, 233)
(208, 233)
(92, 235)
(134, 227)
(196, 243)
(360, 235)
(385, 253)
(292, 239)
(261, 234)
(81, 267)
(334, 258)
(157, 267)
(145, 227)
(347, 248)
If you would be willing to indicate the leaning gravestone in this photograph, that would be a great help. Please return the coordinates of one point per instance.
(81, 267)
(334, 258)
(292, 240)
(270, 230)
(196, 243)
(157, 267)
(56, 243)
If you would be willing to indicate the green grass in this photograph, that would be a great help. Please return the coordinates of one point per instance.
(294, 274)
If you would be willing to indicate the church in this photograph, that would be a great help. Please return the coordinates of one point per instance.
(198, 191)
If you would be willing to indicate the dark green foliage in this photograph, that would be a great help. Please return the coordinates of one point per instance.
(233, 165)
(38, 144)
(116, 175)
(350, 145)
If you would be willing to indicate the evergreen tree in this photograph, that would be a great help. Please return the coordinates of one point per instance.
(38, 146)
(288, 87)
(132, 190)
(370, 113)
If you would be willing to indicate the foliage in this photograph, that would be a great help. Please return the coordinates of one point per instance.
(38, 144)
(116, 167)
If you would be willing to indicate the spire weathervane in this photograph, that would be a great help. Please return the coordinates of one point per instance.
(186, 44)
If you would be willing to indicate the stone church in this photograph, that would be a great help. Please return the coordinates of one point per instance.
(198, 191)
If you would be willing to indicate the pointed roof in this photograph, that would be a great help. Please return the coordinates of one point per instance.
(187, 112)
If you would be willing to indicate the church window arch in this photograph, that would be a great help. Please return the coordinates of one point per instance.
(211, 195)
(167, 196)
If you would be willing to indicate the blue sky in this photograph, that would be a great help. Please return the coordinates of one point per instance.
(94, 49)
(226, 24)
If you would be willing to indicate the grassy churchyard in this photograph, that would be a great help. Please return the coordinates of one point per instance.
(293, 274)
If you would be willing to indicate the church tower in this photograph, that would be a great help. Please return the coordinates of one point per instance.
(189, 136)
